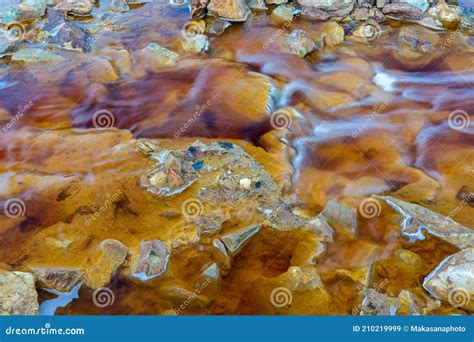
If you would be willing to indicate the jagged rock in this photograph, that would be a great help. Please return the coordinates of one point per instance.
(342, 218)
(110, 256)
(198, 8)
(301, 43)
(232, 10)
(378, 304)
(408, 305)
(403, 11)
(7, 46)
(173, 173)
(29, 9)
(235, 241)
(328, 5)
(221, 256)
(18, 294)
(119, 6)
(152, 262)
(65, 33)
(421, 4)
(284, 13)
(35, 55)
(447, 15)
(74, 7)
(453, 280)
(210, 279)
(59, 279)
(418, 219)
(257, 4)
(313, 13)
(154, 57)
(216, 26)
(197, 43)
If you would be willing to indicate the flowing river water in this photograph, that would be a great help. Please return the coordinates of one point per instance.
(361, 118)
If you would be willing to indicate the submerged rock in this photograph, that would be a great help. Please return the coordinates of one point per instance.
(453, 280)
(236, 240)
(284, 13)
(447, 15)
(418, 219)
(154, 56)
(74, 7)
(18, 294)
(301, 43)
(403, 11)
(328, 5)
(421, 4)
(342, 218)
(152, 262)
(59, 279)
(378, 304)
(65, 33)
(232, 10)
(198, 8)
(35, 55)
(110, 256)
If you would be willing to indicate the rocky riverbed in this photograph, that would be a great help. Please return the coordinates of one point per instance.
(305, 157)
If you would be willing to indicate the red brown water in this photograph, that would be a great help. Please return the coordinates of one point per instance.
(371, 121)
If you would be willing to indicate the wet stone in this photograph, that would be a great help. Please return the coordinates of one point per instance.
(257, 4)
(418, 219)
(59, 279)
(111, 255)
(313, 13)
(232, 10)
(284, 13)
(235, 241)
(154, 56)
(453, 280)
(403, 11)
(342, 218)
(377, 304)
(35, 55)
(301, 43)
(216, 26)
(173, 173)
(152, 262)
(66, 34)
(18, 294)
(74, 7)
(198, 8)
(447, 15)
